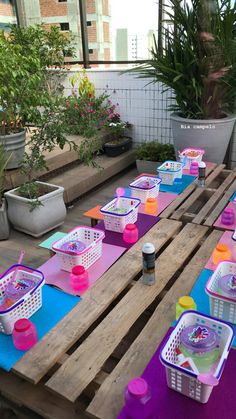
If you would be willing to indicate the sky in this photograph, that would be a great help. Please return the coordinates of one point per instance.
(137, 15)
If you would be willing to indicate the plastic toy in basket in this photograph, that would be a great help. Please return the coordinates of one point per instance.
(189, 155)
(20, 294)
(221, 289)
(145, 187)
(118, 214)
(219, 336)
(169, 171)
(81, 246)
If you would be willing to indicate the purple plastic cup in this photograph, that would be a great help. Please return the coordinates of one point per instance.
(227, 216)
(198, 339)
(73, 246)
(138, 403)
(227, 286)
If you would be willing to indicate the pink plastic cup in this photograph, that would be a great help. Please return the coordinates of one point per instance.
(24, 334)
(138, 402)
(130, 233)
(227, 216)
(79, 279)
(194, 168)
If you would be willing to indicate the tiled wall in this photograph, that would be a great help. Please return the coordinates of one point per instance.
(141, 104)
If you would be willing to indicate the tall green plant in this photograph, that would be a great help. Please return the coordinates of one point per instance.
(3, 165)
(198, 60)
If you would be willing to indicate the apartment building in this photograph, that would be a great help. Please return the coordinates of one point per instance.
(7, 14)
(66, 15)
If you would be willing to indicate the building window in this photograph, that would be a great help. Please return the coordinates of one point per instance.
(62, 1)
(90, 51)
(65, 26)
(89, 23)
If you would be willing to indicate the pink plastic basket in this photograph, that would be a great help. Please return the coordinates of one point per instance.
(199, 151)
(91, 237)
(116, 222)
(143, 193)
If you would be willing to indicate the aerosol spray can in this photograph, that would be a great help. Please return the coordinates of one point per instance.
(201, 174)
(148, 251)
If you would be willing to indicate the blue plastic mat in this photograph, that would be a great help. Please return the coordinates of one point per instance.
(47, 244)
(186, 181)
(233, 196)
(56, 304)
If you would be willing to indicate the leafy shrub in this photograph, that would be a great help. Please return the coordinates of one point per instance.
(154, 151)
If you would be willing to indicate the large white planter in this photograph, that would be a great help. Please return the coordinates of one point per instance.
(14, 146)
(43, 218)
(213, 135)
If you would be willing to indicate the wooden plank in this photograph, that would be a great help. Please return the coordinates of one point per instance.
(184, 195)
(83, 365)
(36, 398)
(36, 362)
(109, 398)
(214, 199)
(196, 194)
(220, 206)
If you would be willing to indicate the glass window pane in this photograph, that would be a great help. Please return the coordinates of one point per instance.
(7, 15)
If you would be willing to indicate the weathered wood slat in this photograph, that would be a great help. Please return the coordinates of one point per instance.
(220, 206)
(36, 398)
(109, 398)
(184, 195)
(35, 364)
(196, 194)
(214, 199)
(83, 365)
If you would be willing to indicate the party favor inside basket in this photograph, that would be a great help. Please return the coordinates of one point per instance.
(81, 246)
(20, 295)
(145, 187)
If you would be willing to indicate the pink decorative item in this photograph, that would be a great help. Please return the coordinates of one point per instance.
(24, 334)
(130, 233)
(119, 192)
(227, 216)
(138, 403)
(79, 279)
(20, 259)
(194, 168)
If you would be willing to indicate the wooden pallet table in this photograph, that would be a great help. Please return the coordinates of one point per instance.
(79, 369)
(204, 205)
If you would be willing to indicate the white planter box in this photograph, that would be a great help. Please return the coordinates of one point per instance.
(43, 218)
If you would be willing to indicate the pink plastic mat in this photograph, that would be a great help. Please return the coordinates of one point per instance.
(163, 200)
(223, 226)
(55, 276)
(226, 238)
(169, 404)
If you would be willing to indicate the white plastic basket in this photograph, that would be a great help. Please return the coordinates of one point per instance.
(169, 171)
(148, 192)
(116, 222)
(91, 237)
(28, 304)
(199, 152)
(185, 381)
(221, 306)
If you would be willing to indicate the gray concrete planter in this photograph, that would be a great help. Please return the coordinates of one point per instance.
(14, 145)
(145, 166)
(42, 219)
(213, 135)
(4, 224)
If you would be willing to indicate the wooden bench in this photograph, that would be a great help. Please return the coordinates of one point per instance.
(80, 368)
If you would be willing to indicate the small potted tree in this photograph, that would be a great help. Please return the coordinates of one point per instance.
(151, 154)
(4, 224)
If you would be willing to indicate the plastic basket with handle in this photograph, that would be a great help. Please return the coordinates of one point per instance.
(91, 237)
(191, 155)
(145, 187)
(169, 171)
(115, 221)
(183, 380)
(221, 306)
(27, 305)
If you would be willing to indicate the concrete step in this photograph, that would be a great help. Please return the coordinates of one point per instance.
(81, 179)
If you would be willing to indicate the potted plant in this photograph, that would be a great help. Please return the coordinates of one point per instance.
(25, 55)
(151, 154)
(4, 224)
(198, 64)
(118, 137)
